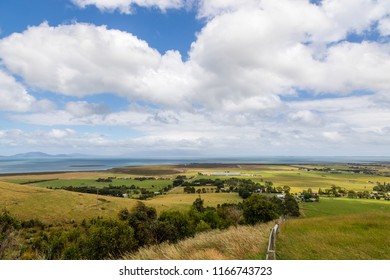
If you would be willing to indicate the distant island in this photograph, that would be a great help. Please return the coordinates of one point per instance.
(44, 155)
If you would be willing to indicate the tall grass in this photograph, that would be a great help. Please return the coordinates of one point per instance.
(243, 242)
(363, 236)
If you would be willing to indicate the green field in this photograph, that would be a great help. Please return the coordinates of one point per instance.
(154, 185)
(344, 206)
(337, 229)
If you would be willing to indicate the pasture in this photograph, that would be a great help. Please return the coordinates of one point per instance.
(60, 206)
(336, 229)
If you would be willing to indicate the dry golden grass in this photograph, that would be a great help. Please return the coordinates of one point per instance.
(184, 201)
(58, 206)
(243, 242)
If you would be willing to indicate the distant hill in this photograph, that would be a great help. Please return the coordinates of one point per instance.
(44, 155)
(32, 155)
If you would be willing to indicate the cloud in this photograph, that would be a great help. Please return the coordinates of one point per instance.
(83, 108)
(83, 59)
(247, 63)
(15, 98)
(126, 6)
(60, 133)
(384, 26)
(333, 136)
(305, 117)
(78, 59)
(245, 58)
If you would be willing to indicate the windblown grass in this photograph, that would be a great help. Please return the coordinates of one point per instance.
(343, 206)
(352, 237)
(243, 242)
(58, 206)
(336, 229)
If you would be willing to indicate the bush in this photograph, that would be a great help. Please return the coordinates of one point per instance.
(181, 223)
(257, 209)
(108, 239)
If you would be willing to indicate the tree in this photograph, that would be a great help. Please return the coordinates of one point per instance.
(286, 189)
(257, 209)
(244, 192)
(198, 204)
(107, 239)
(230, 214)
(291, 206)
(124, 214)
(142, 219)
(269, 186)
(181, 223)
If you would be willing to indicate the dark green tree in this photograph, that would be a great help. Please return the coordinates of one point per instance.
(142, 219)
(181, 223)
(198, 205)
(291, 207)
(257, 209)
(108, 239)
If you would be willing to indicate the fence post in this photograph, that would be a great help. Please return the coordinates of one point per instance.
(271, 250)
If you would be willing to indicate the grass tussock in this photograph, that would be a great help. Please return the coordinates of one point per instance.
(243, 242)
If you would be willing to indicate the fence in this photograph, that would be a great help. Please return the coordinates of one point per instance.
(271, 251)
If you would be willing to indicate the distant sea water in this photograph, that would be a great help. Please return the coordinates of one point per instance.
(35, 165)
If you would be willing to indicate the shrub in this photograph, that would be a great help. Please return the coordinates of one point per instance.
(257, 209)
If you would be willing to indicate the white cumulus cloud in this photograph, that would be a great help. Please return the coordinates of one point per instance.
(126, 6)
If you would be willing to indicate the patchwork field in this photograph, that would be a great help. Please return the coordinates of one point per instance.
(334, 228)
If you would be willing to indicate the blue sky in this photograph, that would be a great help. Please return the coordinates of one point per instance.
(195, 77)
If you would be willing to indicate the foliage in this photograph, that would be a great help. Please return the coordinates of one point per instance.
(108, 239)
(181, 223)
(8, 227)
(291, 207)
(259, 209)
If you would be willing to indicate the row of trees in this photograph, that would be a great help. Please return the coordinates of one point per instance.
(119, 191)
(244, 187)
(381, 190)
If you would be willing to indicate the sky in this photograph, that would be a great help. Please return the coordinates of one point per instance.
(207, 78)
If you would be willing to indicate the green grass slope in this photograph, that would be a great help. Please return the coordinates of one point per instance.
(337, 229)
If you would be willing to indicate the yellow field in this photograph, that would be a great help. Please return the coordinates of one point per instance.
(57, 206)
(60, 206)
(183, 201)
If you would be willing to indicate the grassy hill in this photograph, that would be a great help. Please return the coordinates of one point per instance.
(59, 206)
(243, 242)
(337, 229)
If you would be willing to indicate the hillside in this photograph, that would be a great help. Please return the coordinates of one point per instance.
(337, 229)
(57, 206)
(236, 243)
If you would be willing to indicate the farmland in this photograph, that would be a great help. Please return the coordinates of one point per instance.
(337, 229)
(66, 199)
